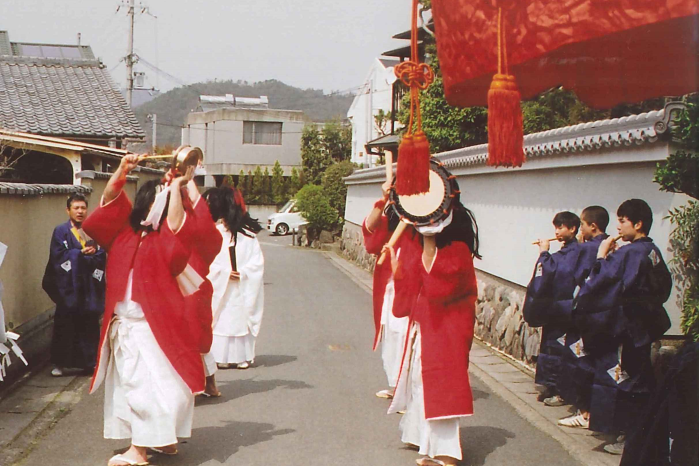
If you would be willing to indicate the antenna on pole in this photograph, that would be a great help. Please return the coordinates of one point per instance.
(129, 55)
(130, 59)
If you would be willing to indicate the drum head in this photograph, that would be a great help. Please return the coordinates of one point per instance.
(187, 157)
(432, 206)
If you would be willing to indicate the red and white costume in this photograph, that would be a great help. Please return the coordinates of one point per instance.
(391, 331)
(433, 386)
(152, 338)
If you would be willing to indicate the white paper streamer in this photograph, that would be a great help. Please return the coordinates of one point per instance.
(156, 211)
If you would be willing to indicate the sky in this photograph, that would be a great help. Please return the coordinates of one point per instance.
(321, 44)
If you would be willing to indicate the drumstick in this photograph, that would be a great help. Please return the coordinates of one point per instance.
(144, 157)
(550, 239)
(394, 239)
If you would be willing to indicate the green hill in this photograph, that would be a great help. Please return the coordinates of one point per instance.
(173, 106)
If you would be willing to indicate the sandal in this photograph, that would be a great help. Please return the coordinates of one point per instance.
(210, 395)
(124, 461)
(160, 451)
(387, 394)
(427, 461)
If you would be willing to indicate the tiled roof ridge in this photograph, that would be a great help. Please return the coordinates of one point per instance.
(45, 61)
(24, 189)
(625, 131)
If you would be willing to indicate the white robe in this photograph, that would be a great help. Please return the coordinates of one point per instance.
(145, 398)
(438, 437)
(394, 331)
(237, 305)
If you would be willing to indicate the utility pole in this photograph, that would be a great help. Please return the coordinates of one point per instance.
(129, 57)
(154, 120)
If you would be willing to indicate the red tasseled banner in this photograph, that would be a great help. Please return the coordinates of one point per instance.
(413, 172)
(505, 132)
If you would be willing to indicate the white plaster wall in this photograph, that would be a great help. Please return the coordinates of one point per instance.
(515, 207)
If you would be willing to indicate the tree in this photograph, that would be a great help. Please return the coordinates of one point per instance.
(315, 160)
(337, 141)
(315, 207)
(382, 122)
(241, 184)
(266, 187)
(278, 186)
(294, 182)
(248, 187)
(333, 186)
(258, 186)
(679, 175)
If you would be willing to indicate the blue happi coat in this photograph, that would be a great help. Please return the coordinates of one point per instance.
(577, 366)
(549, 304)
(73, 280)
(619, 312)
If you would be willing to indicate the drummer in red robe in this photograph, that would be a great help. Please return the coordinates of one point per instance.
(433, 386)
(149, 358)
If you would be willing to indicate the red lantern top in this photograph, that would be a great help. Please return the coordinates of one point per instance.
(607, 51)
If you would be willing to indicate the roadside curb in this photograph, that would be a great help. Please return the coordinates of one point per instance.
(514, 383)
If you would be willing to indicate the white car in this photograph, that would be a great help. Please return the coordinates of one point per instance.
(286, 220)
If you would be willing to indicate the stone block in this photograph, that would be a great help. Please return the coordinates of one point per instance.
(326, 237)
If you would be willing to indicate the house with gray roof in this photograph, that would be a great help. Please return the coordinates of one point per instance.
(63, 91)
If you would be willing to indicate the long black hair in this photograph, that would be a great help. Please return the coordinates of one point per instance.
(142, 204)
(226, 203)
(463, 227)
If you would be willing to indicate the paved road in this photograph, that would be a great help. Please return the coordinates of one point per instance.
(309, 400)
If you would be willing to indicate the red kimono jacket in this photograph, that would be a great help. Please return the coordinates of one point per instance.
(373, 243)
(157, 259)
(206, 243)
(445, 308)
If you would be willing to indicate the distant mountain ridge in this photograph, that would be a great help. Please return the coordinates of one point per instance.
(173, 106)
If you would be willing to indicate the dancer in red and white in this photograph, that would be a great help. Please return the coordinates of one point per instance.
(149, 359)
(433, 386)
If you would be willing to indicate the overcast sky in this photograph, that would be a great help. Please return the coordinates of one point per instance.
(324, 44)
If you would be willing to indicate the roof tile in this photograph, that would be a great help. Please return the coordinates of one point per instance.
(63, 97)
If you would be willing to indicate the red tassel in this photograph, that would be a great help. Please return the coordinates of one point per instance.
(505, 130)
(413, 173)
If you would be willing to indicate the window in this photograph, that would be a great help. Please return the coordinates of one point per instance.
(262, 132)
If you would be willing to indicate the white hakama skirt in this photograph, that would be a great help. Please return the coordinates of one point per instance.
(145, 398)
(439, 437)
(209, 364)
(394, 332)
(233, 350)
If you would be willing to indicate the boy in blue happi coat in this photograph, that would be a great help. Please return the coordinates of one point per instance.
(549, 302)
(619, 311)
(75, 280)
(577, 367)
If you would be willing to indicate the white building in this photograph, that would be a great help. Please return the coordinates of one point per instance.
(243, 133)
(376, 94)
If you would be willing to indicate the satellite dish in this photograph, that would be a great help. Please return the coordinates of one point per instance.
(390, 75)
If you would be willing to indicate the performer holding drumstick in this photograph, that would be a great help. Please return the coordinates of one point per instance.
(437, 290)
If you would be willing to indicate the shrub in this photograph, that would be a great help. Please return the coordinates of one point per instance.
(333, 186)
(315, 207)
(679, 175)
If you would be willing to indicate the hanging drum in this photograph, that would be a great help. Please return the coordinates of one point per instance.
(430, 207)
